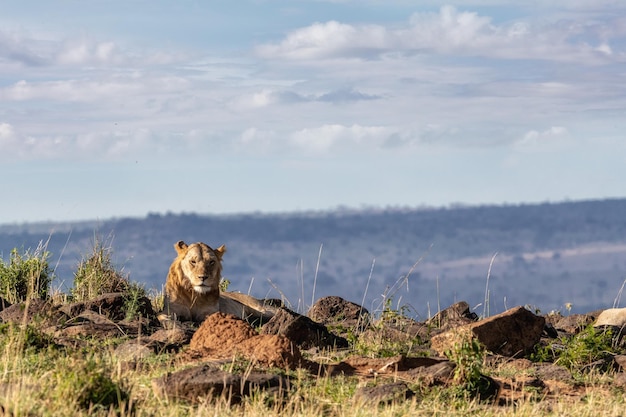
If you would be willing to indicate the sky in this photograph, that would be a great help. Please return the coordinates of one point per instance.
(123, 108)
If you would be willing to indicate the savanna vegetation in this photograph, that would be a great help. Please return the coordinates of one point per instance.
(40, 376)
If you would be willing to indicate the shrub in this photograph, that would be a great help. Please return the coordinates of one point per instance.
(88, 384)
(469, 357)
(25, 276)
(96, 275)
(133, 300)
(582, 349)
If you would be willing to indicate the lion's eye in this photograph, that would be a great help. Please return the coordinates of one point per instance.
(192, 262)
(212, 262)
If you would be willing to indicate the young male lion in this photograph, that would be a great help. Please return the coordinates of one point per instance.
(192, 290)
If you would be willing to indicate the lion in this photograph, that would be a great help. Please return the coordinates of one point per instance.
(192, 288)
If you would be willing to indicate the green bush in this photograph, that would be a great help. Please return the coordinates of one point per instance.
(469, 357)
(25, 276)
(88, 384)
(96, 275)
(582, 349)
(132, 300)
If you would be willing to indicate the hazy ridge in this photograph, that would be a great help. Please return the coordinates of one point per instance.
(544, 255)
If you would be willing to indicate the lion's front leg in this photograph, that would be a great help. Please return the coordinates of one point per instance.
(176, 311)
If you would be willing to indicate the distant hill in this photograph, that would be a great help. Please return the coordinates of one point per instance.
(546, 255)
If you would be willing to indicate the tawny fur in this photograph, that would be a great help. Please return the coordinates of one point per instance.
(192, 289)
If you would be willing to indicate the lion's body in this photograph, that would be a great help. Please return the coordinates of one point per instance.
(192, 290)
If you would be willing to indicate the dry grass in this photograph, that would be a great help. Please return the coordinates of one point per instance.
(38, 378)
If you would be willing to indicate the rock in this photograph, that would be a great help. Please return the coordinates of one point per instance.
(336, 312)
(112, 305)
(89, 316)
(440, 373)
(372, 367)
(302, 331)
(511, 333)
(197, 383)
(387, 335)
(620, 361)
(33, 311)
(615, 317)
(176, 337)
(574, 323)
(458, 313)
(4, 304)
(273, 351)
(133, 351)
(404, 328)
(619, 380)
(94, 330)
(551, 372)
(383, 394)
(88, 323)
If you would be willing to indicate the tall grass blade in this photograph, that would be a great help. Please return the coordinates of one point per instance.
(486, 304)
(317, 267)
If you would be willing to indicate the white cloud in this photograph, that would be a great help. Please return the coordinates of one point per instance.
(258, 140)
(88, 90)
(553, 139)
(113, 144)
(7, 133)
(87, 52)
(323, 138)
(449, 31)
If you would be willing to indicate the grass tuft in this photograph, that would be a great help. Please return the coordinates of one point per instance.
(26, 275)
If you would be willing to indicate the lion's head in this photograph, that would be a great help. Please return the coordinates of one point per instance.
(192, 287)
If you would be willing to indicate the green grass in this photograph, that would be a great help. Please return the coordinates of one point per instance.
(96, 274)
(26, 275)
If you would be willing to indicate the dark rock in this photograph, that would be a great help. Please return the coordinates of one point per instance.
(511, 333)
(383, 394)
(33, 311)
(551, 372)
(574, 323)
(549, 331)
(197, 383)
(458, 313)
(88, 323)
(94, 330)
(359, 365)
(440, 373)
(338, 313)
(112, 305)
(600, 365)
(4, 304)
(411, 328)
(303, 331)
(174, 338)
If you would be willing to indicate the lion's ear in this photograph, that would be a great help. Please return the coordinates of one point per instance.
(180, 246)
(220, 251)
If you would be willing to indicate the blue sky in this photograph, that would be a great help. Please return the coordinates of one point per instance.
(121, 108)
